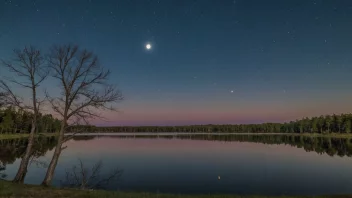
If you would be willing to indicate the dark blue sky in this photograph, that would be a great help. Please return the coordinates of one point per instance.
(212, 61)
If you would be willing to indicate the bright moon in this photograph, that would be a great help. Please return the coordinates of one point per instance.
(148, 46)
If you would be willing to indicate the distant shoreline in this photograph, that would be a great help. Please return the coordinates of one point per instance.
(15, 136)
(209, 133)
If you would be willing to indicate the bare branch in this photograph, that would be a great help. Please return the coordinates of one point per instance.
(80, 75)
(89, 179)
(55, 104)
(9, 98)
(22, 84)
(29, 71)
(114, 174)
(14, 69)
(84, 92)
(29, 66)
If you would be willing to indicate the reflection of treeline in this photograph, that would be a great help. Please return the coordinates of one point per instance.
(331, 146)
(12, 149)
(323, 124)
(83, 137)
(19, 121)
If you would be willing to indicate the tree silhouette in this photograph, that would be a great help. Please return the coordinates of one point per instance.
(30, 71)
(84, 92)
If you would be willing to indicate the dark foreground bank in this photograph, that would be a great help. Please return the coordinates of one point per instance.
(8, 189)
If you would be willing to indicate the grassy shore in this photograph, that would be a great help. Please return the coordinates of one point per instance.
(8, 189)
(21, 135)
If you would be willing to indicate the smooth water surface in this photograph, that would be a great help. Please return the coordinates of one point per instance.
(246, 164)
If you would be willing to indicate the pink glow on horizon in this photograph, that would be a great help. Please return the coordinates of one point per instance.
(132, 113)
(186, 117)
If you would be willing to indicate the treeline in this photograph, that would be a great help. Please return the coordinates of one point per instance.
(19, 121)
(322, 124)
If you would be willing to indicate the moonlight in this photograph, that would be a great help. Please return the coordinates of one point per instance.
(148, 46)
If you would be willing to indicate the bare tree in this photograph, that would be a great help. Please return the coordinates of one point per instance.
(83, 178)
(30, 71)
(84, 92)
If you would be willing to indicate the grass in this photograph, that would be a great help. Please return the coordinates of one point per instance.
(8, 189)
(21, 135)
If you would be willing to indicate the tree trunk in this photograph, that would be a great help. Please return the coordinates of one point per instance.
(51, 169)
(22, 170)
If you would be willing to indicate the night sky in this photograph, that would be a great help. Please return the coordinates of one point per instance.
(210, 62)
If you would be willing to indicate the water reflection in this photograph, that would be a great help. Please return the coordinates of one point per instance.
(13, 149)
(82, 177)
(329, 145)
(247, 164)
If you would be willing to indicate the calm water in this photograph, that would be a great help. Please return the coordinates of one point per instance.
(246, 164)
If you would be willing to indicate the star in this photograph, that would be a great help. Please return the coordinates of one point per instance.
(231, 91)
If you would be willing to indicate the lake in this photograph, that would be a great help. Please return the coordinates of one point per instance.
(200, 164)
